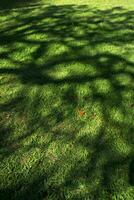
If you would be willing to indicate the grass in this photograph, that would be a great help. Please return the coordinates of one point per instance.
(67, 100)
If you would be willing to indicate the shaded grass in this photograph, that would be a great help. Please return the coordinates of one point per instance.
(66, 88)
(12, 4)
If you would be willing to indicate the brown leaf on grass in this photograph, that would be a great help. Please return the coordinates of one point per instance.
(81, 113)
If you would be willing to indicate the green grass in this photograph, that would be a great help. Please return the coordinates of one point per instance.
(67, 100)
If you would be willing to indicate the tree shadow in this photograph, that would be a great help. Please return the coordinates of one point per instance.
(131, 173)
(9, 4)
(66, 54)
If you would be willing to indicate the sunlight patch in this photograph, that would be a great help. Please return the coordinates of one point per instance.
(71, 70)
(128, 94)
(124, 79)
(78, 31)
(118, 66)
(102, 86)
(84, 90)
(94, 121)
(117, 115)
(65, 163)
(109, 48)
(29, 158)
(7, 62)
(79, 190)
(22, 53)
(121, 146)
(104, 59)
(57, 49)
(32, 37)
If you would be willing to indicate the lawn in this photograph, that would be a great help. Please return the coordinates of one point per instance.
(67, 100)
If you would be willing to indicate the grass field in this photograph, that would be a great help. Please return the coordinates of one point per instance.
(67, 100)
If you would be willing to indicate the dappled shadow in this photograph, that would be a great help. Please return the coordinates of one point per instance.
(69, 74)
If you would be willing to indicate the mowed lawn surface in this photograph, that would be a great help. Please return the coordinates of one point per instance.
(67, 100)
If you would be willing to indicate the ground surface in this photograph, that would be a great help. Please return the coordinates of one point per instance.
(67, 100)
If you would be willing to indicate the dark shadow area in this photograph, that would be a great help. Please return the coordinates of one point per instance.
(57, 115)
(8, 4)
(131, 173)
